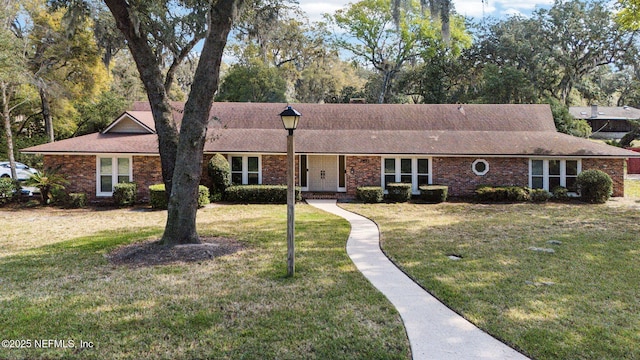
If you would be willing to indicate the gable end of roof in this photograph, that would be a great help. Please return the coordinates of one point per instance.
(131, 122)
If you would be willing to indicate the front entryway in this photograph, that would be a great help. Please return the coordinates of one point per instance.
(323, 173)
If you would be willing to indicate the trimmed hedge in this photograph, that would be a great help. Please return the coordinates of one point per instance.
(595, 186)
(77, 200)
(259, 194)
(124, 194)
(487, 193)
(540, 195)
(399, 192)
(158, 197)
(370, 194)
(59, 197)
(560, 193)
(434, 193)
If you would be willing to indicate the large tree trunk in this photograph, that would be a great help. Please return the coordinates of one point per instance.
(181, 155)
(46, 115)
(6, 114)
(183, 203)
(152, 78)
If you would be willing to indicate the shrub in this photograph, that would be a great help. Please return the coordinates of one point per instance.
(595, 186)
(47, 181)
(434, 193)
(59, 196)
(203, 196)
(259, 194)
(540, 195)
(220, 173)
(370, 194)
(158, 197)
(486, 193)
(560, 193)
(77, 200)
(7, 190)
(399, 192)
(124, 194)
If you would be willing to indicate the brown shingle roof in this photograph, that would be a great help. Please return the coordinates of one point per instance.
(101, 143)
(452, 130)
(605, 112)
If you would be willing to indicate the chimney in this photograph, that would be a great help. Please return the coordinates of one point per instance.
(594, 111)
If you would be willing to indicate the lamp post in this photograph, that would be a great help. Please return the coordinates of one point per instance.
(290, 118)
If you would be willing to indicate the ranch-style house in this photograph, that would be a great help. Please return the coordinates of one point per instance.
(340, 147)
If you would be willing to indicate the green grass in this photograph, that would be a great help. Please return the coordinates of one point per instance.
(581, 302)
(55, 283)
(632, 189)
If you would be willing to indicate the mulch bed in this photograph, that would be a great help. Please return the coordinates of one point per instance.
(151, 253)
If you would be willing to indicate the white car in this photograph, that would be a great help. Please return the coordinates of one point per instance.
(23, 171)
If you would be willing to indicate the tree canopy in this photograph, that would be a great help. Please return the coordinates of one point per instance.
(368, 30)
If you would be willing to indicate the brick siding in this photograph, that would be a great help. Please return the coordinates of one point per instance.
(613, 167)
(147, 171)
(363, 171)
(456, 173)
(79, 170)
(274, 169)
(462, 181)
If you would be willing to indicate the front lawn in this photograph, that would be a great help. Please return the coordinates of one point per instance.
(556, 281)
(58, 291)
(632, 189)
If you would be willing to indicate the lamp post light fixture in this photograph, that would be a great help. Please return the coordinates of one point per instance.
(290, 118)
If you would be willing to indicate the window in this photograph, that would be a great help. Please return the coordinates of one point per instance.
(112, 170)
(245, 170)
(551, 173)
(480, 167)
(389, 171)
(413, 171)
(342, 171)
(423, 172)
(304, 169)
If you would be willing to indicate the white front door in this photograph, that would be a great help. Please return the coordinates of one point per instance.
(323, 172)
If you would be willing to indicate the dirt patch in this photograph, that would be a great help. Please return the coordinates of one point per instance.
(152, 253)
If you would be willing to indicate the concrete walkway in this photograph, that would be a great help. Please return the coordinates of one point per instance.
(434, 331)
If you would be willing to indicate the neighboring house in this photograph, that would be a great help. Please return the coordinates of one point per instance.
(340, 147)
(606, 122)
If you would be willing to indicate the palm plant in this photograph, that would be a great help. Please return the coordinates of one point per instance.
(46, 181)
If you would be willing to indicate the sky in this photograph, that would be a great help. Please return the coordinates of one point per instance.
(470, 8)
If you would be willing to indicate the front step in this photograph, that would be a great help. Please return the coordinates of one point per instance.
(325, 195)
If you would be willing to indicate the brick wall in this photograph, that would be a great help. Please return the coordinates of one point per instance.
(79, 170)
(274, 169)
(613, 167)
(456, 173)
(462, 181)
(362, 171)
(147, 171)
